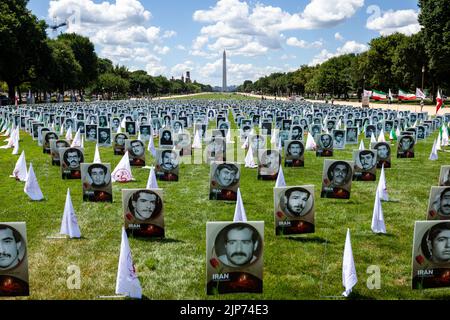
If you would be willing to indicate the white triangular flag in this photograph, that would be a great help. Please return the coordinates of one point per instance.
(151, 147)
(280, 145)
(97, 155)
(361, 145)
(228, 137)
(377, 217)
(119, 129)
(122, 124)
(397, 131)
(76, 140)
(249, 160)
(381, 137)
(381, 188)
(246, 143)
(69, 134)
(349, 278)
(310, 143)
(372, 138)
(32, 188)
(69, 223)
(139, 136)
(438, 142)
(16, 146)
(239, 211)
(151, 182)
(20, 170)
(197, 144)
(280, 179)
(122, 172)
(82, 142)
(444, 139)
(127, 282)
(274, 137)
(433, 154)
(61, 130)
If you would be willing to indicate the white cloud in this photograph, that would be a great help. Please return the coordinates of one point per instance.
(348, 47)
(338, 36)
(288, 57)
(161, 50)
(182, 68)
(403, 21)
(250, 30)
(180, 47)
(120, 30)
(294, 42)
(237, 72)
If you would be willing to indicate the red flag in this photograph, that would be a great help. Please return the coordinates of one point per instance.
(439, 101)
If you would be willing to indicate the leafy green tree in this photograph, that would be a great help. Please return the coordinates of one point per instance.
(22, 43)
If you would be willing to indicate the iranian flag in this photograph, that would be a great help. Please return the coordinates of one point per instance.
(439, 101)
(403, 95)
(378, 95)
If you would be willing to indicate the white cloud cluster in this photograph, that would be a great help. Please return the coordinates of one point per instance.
(294, 42)
(348, 47)
(248, 30)
(338, 36)
(389, 22)
(120, 29)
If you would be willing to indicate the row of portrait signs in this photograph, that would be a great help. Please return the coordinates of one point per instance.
(234, 250)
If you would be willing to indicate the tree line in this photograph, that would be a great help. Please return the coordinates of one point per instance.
(394, 62)
(29, 60)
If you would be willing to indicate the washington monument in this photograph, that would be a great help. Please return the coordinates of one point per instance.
(224, 72)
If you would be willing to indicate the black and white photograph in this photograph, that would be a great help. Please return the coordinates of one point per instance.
(365, 165)
(224, 181)
(55, 146)
(234, 257)
(294, 153)
(96, 180)
(439, 203)
(104, 137)
(143, 211)
(268, 164)
(167, 168)
(324, 144)
(383, 154)
(337, 179)
(405, 147)
(71, 159)
(294, 210)
(136, 152)
(119, 143)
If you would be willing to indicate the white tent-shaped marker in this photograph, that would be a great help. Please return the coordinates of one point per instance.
(32, 188)
(97, 155)
(69, 134)
(249, 160)
(20, 170)
(127, 282)
(151, 147)
(372, 138)
(349, 278)
(69, 223)
(239, 211)
(361, 145)
(381, 137)
(122, 172)
(76, 140)
(280, 179)
(310, 143)
(381, 188)
(197, 144)
(377, 217)
(433, 154)
(151, 182)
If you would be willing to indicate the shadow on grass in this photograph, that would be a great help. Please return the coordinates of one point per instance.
(305, 240)
(163, 240)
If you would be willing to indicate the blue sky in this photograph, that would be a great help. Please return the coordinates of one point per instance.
(174, 36)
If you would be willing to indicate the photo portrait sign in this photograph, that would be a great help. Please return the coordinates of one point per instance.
(444, 176)
(119, 143)
(439, 204)
(324, 144)
(405, 148)
(55, 146)
(224, 181)
(71, 159)
(96, 179)
(49, 135)
(167, 167)
(431, 255)
(136, 152)
(365, 165)
(268, 164)
(337, 179)
(143, 211)
(294, 153)
(234, 257)
(383, 154)
(14, 262)
(294, 210)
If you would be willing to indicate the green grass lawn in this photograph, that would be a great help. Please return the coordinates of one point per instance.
(295, 267)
